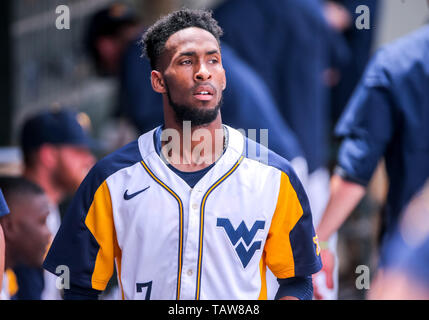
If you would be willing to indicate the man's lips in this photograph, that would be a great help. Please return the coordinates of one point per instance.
(203, 92)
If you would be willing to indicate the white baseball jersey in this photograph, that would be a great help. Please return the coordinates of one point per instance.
(171, 241)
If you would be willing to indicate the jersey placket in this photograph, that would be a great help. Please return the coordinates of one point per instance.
(191, 246)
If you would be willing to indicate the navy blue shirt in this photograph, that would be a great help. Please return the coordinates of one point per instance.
(247, 102)
(388, 117)
(287, 42)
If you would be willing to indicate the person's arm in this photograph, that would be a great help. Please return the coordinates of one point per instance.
(295, 288)
(78, 293)
(291, 250)
(345, 195)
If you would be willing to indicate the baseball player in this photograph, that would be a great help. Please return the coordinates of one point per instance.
(386, 117)
(178, 227)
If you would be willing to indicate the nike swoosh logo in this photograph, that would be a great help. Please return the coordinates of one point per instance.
(130, 196)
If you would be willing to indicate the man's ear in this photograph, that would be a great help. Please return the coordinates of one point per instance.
(157, 81)
(224, 81)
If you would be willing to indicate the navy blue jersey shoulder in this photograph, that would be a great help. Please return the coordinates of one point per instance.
(256, 151)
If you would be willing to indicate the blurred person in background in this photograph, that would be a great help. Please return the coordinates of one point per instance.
(406, 275)
(289, 43)
(109, 33)
(341, 15)
(26, 233)
(4, 210)
(57, 156)
(386, 117)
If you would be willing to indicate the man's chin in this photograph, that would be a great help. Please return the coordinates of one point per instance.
(198, 116)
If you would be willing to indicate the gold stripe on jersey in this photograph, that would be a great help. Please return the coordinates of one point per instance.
(200, 252)
(99, 221)
(179, 275)
(12, 282)
(278, 249)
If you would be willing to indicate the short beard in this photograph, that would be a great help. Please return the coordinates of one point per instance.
(197, 116)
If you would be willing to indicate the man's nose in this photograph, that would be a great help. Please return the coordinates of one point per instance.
(202, 73)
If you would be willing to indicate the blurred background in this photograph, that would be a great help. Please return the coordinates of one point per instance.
(44, 67)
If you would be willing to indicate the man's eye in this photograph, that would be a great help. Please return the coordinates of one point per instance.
(214, 60)
(185, 62)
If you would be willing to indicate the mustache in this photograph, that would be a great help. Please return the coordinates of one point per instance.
(208, 84)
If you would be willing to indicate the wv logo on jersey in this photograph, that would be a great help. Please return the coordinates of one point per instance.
(242, 232)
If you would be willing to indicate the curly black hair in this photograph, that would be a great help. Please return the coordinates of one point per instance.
(156, 36)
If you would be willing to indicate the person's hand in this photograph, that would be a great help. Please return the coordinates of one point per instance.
(328, 261)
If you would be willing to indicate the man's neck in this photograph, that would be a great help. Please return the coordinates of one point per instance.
(44, 180)
(197, 147)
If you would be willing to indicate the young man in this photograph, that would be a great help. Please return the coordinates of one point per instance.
(181, 221)
(247, 102)
(25, 230)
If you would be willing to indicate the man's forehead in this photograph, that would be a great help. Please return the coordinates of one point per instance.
(188, 37)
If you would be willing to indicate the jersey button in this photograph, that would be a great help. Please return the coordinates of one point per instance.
(194, 206)
(190, 272)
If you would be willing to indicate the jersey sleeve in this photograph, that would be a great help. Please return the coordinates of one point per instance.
(366, 126)
(291, 249)
(85, 244)
(4, 209)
